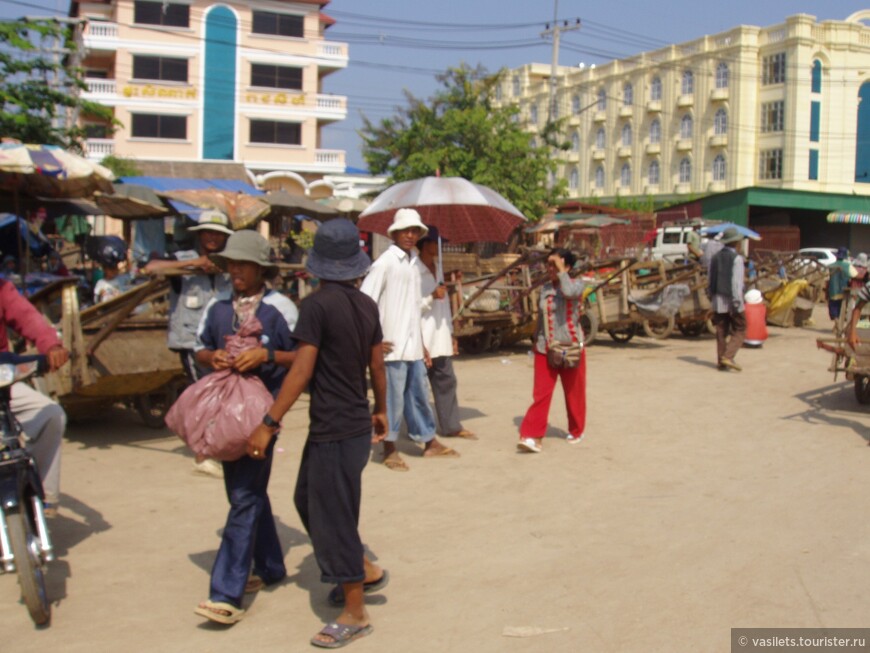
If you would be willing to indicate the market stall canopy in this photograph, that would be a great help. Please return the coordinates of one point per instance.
(463, 211)
(350, 207)
(132, 202)
(842, 217)
(50, 171)
(589, 219)
(284, 203)
(716, 229)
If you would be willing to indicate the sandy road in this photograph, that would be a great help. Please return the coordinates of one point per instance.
(699, 501)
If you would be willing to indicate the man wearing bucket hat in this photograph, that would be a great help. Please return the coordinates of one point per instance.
(394, 283)
(249, 535)
(190, 293)
(725, 287)
(339, 336)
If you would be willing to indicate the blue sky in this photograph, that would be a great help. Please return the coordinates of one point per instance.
(398, 45)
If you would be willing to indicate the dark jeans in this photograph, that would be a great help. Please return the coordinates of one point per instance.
(730, 333)
(327, 498)
(250, 532)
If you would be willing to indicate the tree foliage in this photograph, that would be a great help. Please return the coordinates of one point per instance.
(120, 166)
(37, 88)
(459, 132)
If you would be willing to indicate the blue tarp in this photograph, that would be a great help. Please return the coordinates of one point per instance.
(180, 183)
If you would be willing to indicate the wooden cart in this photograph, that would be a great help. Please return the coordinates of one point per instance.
(854, 363)
(117, 350)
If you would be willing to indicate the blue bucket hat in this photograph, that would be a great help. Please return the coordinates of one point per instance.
(336, 254)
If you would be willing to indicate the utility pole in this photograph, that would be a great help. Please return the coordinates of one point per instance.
(555, 31)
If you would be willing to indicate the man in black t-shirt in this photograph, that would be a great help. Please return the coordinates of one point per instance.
(339, 339)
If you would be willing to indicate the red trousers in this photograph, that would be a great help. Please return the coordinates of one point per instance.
(534, 424)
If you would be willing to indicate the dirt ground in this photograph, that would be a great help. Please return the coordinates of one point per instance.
(699, 501)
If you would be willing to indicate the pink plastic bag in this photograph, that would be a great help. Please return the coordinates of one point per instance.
(215, 415)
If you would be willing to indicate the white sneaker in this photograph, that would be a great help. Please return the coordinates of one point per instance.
(529, 445)
(209, 467)
(574, 439)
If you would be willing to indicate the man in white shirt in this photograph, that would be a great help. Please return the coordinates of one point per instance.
(394, 283)
(438, 340)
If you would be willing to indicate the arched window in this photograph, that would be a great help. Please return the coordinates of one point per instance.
(655, 131)
(533, 114)
(685, 170)
(627, 95)
(719, 168)
(516, 85)
(722, 75)
(625, 176)
(720, 122)
(574, 181)
(602, 99)
(817, 77)
(599, 177)
(626, 135)
(575, 104)
(687, 86)
(575, 142)
(600, 139)
(655, 88)
(653, 173)
(686, 125)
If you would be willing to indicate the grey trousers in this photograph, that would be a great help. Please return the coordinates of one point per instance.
(443, 382)
(44, 423)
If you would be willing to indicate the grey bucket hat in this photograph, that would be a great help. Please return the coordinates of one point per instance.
(731, 235)
(246, 245)
(336, 254)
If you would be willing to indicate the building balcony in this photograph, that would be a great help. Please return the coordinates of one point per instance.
(574, 120)
(623, 152)
(571, 156)
(719, 140)
(599, 116)
(101, 88)
(332, 54)
(717, 187)
(651, 189)
(100, 35)
(654, 106)
(330, 158)
(682, 188)
(684, 144)
(98, 148)
(685, 101)
(598, 155)
(719, 94)
(626, 112)
(325, 108)
(653, 148)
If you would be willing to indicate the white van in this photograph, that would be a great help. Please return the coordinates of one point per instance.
(670, 243)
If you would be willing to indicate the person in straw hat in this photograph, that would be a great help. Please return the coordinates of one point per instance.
(188, 295)
(725, 287)
(339, 340)
(394, 283)
(249, 535)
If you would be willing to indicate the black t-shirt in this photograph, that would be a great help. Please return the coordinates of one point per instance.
(344, 325)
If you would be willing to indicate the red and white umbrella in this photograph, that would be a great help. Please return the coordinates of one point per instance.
(463, 211)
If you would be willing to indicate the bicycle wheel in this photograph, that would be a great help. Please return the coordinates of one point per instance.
(25, 548)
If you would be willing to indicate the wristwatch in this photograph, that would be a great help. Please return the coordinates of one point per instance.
(270, 355)
(271, 423)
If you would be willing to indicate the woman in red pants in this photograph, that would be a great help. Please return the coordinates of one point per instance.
(559, 354)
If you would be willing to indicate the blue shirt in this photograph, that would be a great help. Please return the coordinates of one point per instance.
(278, 316)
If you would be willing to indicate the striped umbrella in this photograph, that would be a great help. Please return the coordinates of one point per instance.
(50, 171)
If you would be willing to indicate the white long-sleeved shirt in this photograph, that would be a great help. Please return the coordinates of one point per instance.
(437, 318)
(394, 283)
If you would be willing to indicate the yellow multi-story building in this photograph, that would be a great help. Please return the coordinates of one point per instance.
(196, 80)
(776, 107)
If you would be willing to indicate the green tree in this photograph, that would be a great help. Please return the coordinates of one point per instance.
(37, 88)
(121, 167)
(459, 132)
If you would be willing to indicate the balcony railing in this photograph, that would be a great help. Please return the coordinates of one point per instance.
(330, 158)
(102, 86)
(97, 148)
(99, 29)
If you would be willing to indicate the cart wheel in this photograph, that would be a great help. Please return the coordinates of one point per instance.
(152, 407)
(862, 388)
(589, 323)
(623, 335)
(478, 343)
(659, 329)
(692, 329)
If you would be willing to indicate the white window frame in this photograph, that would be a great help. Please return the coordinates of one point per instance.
(685, 170)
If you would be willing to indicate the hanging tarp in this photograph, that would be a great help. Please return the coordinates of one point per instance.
(843, 217)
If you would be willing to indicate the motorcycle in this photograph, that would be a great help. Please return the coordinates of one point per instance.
(25, 545)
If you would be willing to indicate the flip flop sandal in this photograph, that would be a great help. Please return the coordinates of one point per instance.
(254, 584)
(464, 434)
(220, 612)
(444, 452)
(341, 634)
(395, 463)
(336, 594)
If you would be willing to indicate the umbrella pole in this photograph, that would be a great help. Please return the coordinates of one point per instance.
(440, 269)
(19, 240)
